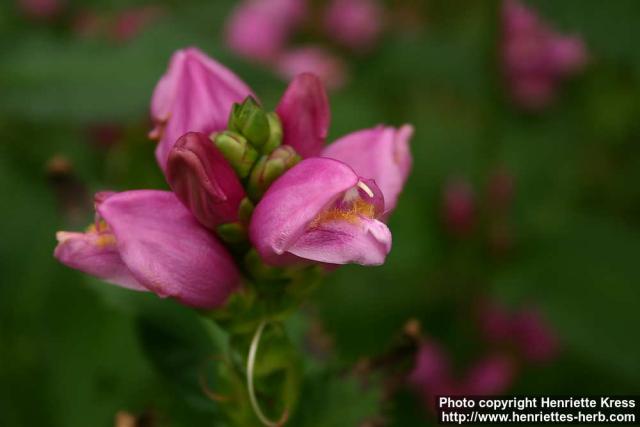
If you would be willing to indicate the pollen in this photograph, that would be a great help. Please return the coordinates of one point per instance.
(105, 240)
(359, 208)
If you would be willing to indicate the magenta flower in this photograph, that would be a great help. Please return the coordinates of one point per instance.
(331, 211)
(220, 157)
(321, 210)
(195, 95)
(260, 29)
(491, 375)
(146, 240)
(536, 58)
(535, 337)
(42, 9)
(356, 24)
(525, 330)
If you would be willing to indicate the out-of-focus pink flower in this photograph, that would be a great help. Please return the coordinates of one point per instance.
(195, 95)
(41, 9)
(494, 321)
(313, 59)
(203, 180)
(147, 240)
(431, 374)
(458, 208)
(535, 337)
(356, 24)
(321, 210)
(130, 22)
(381, 153)
(260, 29)
(536, 58)
(525, 329)
(491, 375)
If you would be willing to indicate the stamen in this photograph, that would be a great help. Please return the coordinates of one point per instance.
(365, 188)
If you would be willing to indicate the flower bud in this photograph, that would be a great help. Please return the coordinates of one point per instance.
(232, 232)
(250, 120)
(237, 151)
(269, 168)
(203, 180)
(245, 210)
(275, 133)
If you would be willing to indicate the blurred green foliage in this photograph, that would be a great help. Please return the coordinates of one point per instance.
(71, 349)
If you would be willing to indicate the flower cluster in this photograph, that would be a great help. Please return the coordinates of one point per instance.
(262, 30)
(535, 57)
(511, 338)
(246, 183)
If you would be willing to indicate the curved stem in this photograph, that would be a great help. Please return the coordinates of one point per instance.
(251, 361)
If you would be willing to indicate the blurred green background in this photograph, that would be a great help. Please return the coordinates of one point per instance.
(73, 120)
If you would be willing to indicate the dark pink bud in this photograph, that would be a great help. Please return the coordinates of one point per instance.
(459, 207)
(203, 180)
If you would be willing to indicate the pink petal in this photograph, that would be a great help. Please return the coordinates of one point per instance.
(97, 255)
(196, 94)
(294, 201)
(381, 153)
(365, 242)
(305, 115)
(204, 181)
(166, 249)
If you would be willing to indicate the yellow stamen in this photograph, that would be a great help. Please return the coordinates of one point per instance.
(358, 209)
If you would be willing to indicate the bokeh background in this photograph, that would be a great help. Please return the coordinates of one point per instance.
(528, 209)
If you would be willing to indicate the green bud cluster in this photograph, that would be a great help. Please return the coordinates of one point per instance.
(269, 168)
(262, 129)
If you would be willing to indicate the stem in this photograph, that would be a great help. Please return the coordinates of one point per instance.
(251, 361)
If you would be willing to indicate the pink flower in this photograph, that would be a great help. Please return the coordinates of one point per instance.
(458, 209)
(312, 59)
(260, 29)
(491, 375)
(326, 210)
(148, 241)
(524, 329)
(321, 210)
(432, 375)
(41, 9)
(535, 337)
(536, 58)
(130, 22)
(356, 24)
(195, 95)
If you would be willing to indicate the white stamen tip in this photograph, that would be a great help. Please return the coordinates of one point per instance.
(365, 188)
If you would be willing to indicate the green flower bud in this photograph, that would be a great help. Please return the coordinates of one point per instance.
(232, 232)
(269, 168)
(250, 120)
(245, 210)
(275, 134)
(238, 152)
